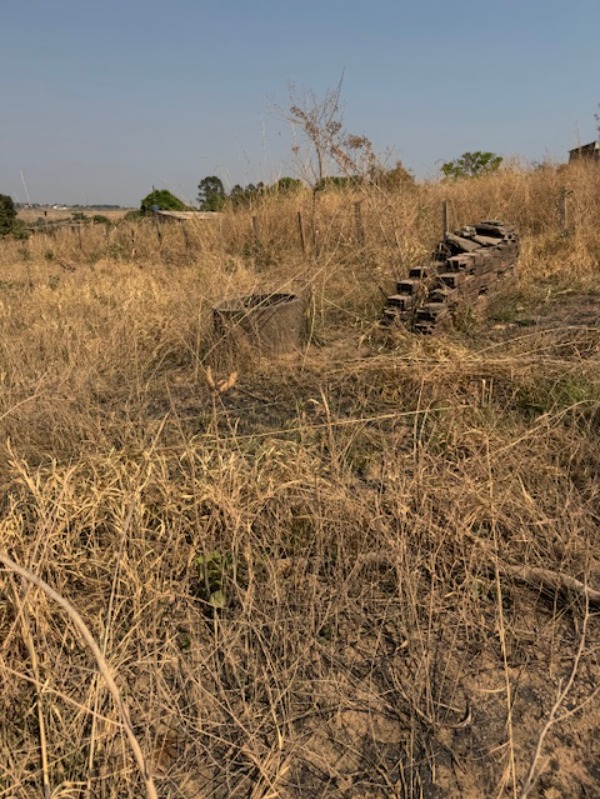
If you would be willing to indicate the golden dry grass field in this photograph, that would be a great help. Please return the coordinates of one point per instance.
(49, 214)
(368, 569)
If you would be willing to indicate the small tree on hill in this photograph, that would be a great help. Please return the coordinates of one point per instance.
(8, 214)
(390, 179)
(211, 193)
(320, 121)
(471, 165)
(163, 199)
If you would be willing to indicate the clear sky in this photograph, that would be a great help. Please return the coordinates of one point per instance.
(101, 101)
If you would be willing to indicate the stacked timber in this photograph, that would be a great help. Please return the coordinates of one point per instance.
(470, 262)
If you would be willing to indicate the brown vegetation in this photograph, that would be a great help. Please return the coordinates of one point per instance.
(369, 569)
(31, 215)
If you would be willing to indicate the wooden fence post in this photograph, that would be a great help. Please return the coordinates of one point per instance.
(563, 209)
(158, 231)
(445, 217)
(316, 248)
(186, 238)
(256, 232)
(358, 223)
(301, 231)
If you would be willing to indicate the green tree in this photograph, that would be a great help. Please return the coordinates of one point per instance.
(211, 193)
(8, 214)
(471, 165)
(245, 195)
(237, 195)
(163, 199)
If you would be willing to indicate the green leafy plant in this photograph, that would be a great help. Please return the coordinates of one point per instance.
(19, 230)
(214, 569)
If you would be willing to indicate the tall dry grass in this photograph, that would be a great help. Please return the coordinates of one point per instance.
(312, 584)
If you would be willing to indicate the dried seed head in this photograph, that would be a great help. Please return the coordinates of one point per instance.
(225, 385)
(208, 376)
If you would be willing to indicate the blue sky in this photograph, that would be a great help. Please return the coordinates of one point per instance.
(101, 101)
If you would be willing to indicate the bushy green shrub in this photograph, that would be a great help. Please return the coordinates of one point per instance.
(8, 214)
(163, 199)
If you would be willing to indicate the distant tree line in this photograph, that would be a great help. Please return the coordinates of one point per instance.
(93, 207)
(212, 195)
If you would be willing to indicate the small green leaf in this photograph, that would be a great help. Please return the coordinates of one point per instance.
(218, 600)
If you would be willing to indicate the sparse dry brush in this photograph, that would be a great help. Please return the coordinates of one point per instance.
(367, 570)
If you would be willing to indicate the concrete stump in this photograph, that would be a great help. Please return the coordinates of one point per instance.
(270, 323)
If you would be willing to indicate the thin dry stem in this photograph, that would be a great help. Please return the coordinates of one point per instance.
(100, 660)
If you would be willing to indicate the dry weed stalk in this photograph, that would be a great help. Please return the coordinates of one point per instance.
(555, 716)
(102, 666)
(26, 625)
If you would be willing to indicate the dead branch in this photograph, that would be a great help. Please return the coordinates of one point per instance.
(552, 581)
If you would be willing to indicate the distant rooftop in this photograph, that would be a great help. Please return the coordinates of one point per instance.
(185, 216)
(591, 150)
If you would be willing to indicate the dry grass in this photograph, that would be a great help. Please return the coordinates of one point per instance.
(306, 585)
(31, 215)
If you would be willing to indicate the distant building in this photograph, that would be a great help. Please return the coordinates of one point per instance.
(591, 150)
(186, 216)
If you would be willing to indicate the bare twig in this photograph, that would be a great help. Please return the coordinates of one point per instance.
(554, 717)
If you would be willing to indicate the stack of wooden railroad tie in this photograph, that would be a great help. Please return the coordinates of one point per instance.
(473, 261)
